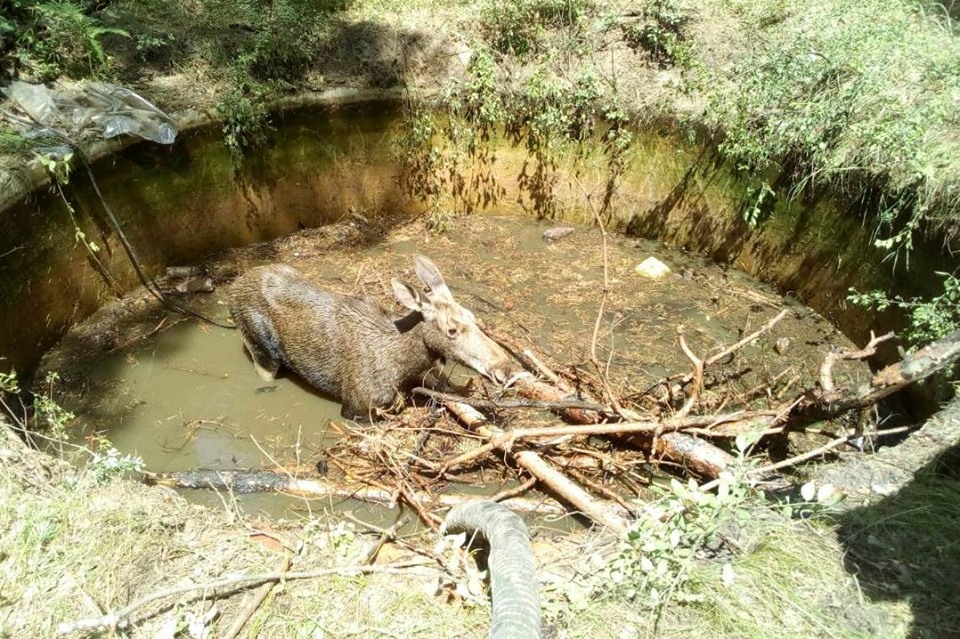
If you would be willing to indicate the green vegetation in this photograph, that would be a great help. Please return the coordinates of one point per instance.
(860, 97)
(551, 116)
(660, 553)
(43, 39)
(521, 27)
(904, 546)
(930, 319)
(662, 33)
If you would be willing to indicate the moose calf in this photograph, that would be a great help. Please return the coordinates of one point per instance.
(350, 347)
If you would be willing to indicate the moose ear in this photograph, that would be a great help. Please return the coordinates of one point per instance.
(407, 296)
(429, 274)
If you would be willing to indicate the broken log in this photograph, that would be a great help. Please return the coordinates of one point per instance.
(916, 366)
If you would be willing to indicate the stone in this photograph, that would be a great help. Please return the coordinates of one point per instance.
(652, 268)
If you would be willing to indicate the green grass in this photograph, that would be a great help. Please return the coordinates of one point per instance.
(858, 96)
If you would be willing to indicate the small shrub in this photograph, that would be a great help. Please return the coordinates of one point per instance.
(420, 158)
(49, 416)
(930, 319)
(111, 463)
(244, 118)
(44, 39)
(661, 547)
(152, 47)
(517, 27)
(661, 33)
(73, 38)
(281, 48)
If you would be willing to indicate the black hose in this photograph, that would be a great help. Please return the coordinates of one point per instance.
(145, 279)
(513, 579)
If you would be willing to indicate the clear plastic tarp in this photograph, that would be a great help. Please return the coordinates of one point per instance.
(106, 108)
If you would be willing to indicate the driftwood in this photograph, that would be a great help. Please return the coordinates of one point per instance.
(916, 366)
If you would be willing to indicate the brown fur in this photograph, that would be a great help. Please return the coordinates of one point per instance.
(350, 347)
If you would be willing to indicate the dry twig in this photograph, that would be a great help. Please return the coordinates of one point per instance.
(121, 618)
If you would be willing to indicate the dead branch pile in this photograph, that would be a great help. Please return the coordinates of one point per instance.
(566, 432)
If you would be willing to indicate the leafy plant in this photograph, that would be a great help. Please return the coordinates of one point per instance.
(661, 33)
(856, 96)
(244, 118)
(111, 463)
(518, 27)
(552, 117)
(154, 46)
(660, 548)
(48, 38)
(48, 414)
(930, 319)
(281, 49)
(756, 203)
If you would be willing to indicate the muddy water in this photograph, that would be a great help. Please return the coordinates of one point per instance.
(183, 395)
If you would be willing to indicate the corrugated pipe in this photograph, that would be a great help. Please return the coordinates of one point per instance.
(513, 580)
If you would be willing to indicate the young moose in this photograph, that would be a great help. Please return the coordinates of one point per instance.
(350, 347)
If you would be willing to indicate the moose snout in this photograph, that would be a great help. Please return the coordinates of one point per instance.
(502, 371)
(500, 375)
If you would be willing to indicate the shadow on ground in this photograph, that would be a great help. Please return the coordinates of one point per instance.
(907, 547)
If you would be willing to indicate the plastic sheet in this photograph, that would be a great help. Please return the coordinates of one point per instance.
(109, 109)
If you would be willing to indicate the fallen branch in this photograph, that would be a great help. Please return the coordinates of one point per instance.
(826, 369)
(524, 355)
(507, 439)
(698, 366)
(515, 491)
(489, 404)
(550, 477)
(120, 619)
(916, 366)
(730, 350)
(256, 601)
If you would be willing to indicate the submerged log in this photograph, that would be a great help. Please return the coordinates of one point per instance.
(253, 481)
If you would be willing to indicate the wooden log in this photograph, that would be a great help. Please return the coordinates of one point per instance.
(917, 366)
(597, 510)
(700, 456)
(540, 391)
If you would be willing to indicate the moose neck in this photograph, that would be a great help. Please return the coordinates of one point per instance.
(412, 348)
